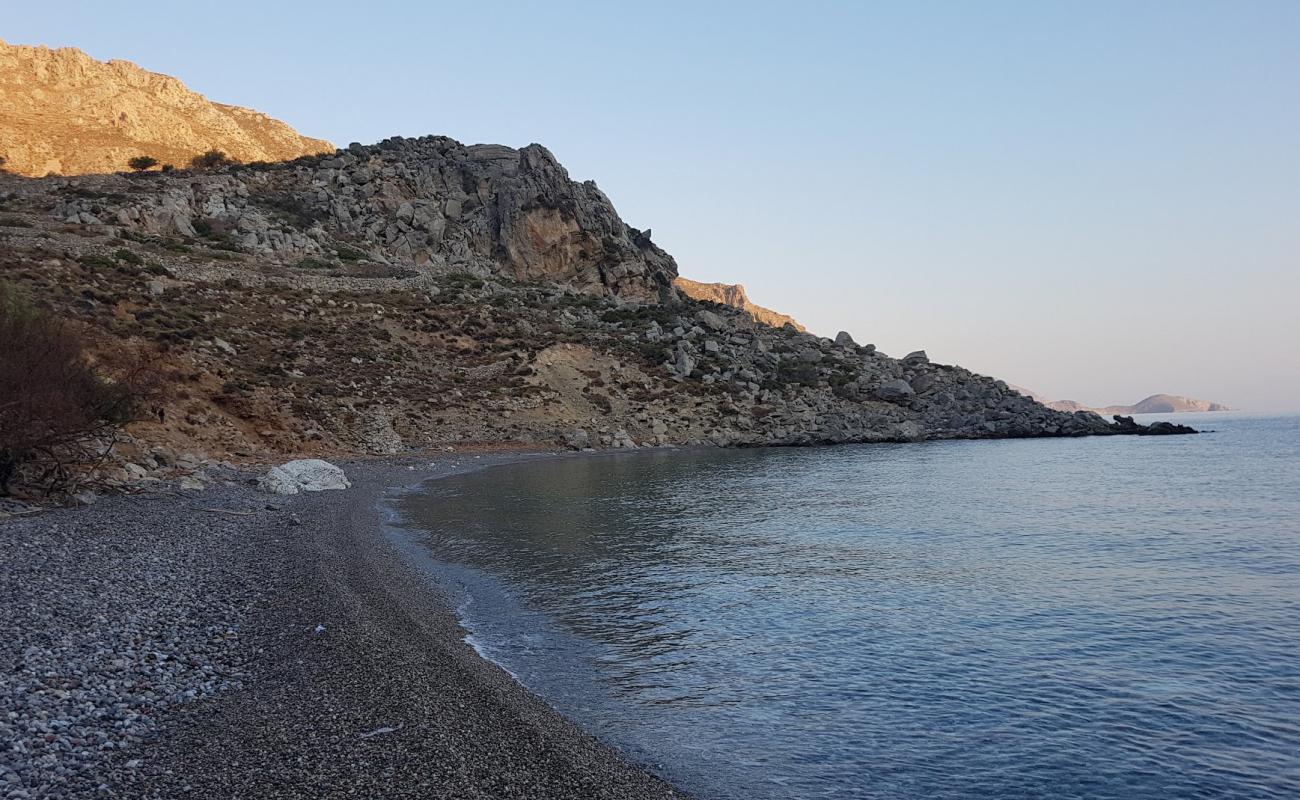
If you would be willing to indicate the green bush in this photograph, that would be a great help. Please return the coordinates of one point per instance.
(142, 163)
(211, 160)
(128, 257)
(95, 261)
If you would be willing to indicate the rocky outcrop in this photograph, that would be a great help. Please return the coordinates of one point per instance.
(733, 294)
(431, 205)
(1127, 425)
(67, 113)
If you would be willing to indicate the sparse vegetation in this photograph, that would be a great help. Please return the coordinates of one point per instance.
(211, 160)
(57, 410)
(128, 257)
(95, 261)
(142, 163)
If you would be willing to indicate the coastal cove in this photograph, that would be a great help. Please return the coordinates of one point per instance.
(901, 620)
(390, 409)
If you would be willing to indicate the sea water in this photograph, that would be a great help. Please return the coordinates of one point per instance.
(1093, 618)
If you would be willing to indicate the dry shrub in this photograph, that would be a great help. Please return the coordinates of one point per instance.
(59, 411)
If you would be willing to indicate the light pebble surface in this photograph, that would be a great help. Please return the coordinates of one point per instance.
(153, 649)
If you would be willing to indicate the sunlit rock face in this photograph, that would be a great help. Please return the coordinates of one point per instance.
(69, 114)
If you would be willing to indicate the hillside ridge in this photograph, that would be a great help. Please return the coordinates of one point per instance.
(421, 293)
(68, 113)
(733, 294)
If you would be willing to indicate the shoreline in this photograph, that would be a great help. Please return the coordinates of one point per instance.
(387, 700)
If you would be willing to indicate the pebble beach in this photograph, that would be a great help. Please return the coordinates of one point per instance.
(232, 643)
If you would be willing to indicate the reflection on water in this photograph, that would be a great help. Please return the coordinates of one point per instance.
(1072, 618)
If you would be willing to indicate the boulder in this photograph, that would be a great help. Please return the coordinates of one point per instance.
(684, 365)
(712, 320)
(224, 346)
(844, 339)
(895, 390)
(916, 357)
(1167, 428)
(922, 383)
(303, 475)
(578, 439)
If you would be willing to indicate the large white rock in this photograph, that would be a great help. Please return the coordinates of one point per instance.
(303, 475)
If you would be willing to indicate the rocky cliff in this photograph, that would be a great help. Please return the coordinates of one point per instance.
(67, 113)
(733, 294)
(429, 205)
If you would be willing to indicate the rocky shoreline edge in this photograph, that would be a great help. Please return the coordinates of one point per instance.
(232, 643)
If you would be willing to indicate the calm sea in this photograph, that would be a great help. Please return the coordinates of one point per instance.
(1091, 618)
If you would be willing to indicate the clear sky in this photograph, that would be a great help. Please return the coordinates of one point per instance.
(1097, 200)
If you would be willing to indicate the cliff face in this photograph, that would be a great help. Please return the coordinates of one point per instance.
(430, 205)
(67, 113)
(733, 294)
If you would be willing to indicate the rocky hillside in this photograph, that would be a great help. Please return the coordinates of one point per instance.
(422, 293)
(733, 294)
(431, 206)
(67, 113)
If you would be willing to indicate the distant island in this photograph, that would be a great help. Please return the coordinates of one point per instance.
(1154, 404)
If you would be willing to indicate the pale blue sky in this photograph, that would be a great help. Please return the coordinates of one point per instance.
(1096, 200)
